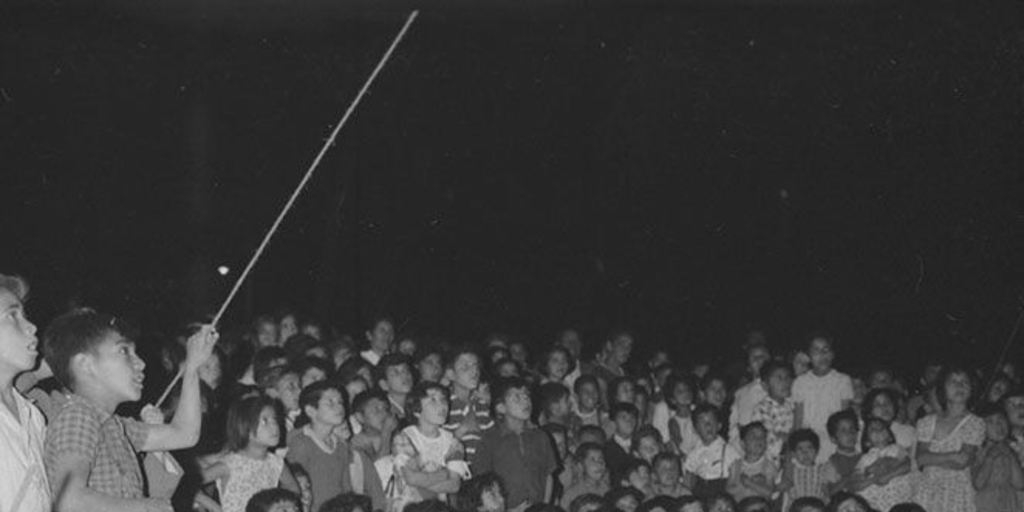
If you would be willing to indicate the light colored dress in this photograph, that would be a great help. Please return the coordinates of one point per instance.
(247, 477)
(948, 490)
(898, 490)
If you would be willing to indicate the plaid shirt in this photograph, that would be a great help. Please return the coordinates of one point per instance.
(109, 442)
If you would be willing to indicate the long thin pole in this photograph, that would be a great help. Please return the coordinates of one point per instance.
(302, 185)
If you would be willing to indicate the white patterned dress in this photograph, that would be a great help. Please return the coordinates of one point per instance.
(948, 490)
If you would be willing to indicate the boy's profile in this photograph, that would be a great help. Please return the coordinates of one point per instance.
(22, 477)
(90, 452)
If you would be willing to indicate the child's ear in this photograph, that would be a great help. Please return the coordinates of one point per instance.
(306, 410)
(383, 385)
(500, 408)
(82, 364)
(449, 374)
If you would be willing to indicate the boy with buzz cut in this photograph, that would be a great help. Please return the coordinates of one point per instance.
(90, 452)
(470, 412)
(23, 483)
(517, 451)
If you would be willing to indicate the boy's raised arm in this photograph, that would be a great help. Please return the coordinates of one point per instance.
(183, 431)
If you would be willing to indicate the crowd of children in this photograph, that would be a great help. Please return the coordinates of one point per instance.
(292, 417)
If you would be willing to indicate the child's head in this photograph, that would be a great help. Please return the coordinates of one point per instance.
(755, 439)
(843, 501)
(507, 368)
(707, 420)
(882, 403)
(380, 333)
(407, 345)
(464, 369)
(1013, 404)
(588, 393)
(554, 399)
(667, 469)
(560, 437)
(427, 404)
(371, 409)
(778, 379)
(807, 504)
(347, 502)
(621, 390)
(690, 504)
(18, 342)
(591, 434)
(402, 445)
(590, 458)
(801, 362)
(624, 499)
(877, 434)
(625, 417)
(647, 443)
(679, 391)
(587, 503)
(804, 444)
(429, 364)
(636, 473)
(252, 420)
(558, 363)
(720, 502)
(955, 386)
(394, 374)
(482, 493)
(323, 403)
(282, 384)
(312, 369)
(754, 504)
(714, 390)
(997, 426)
(274, 500)
(842, 427)
(264, 330)
(90, 350)
(820, 350)
(512, 399)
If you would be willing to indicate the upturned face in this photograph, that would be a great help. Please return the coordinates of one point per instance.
(957, 388)
(330, 410)
(467, 371)
(18, 342)
(434, 408)
(381, 337)
(430, 368)
(517, 404)
(594, 466)
(707, 426)
(267, 433)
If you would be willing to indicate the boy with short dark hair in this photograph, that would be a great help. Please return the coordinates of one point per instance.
(624, 417)
(470, 412)
(518, 452)
(370, 409)
(394, 376)
(91, 453)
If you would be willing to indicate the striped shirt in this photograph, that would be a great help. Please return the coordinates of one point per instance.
(461, 409)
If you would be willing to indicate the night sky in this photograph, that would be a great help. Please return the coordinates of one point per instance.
(690, 171)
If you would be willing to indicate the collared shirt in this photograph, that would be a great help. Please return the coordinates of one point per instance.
(459, 410)
(523, 460)
(109, 442)
(21, 458)
(778, 420)
(711, 461)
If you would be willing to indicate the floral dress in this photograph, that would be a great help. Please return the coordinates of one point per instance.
(247, 477)
(898, 490)
(948, 490)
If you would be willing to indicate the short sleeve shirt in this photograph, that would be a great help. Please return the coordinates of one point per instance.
(109, 442)
(821, 396)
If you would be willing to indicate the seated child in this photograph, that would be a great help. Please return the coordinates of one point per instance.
(250, 465)
(482, 493)
(801, 475)
(91, 452)
(442, 459)
(376, 421)
(706, 470)
(667, 479)
(673, 416)
(637, 474)
(274, 500)
(842, 427)
(997, 474)
(883, 468)
(591, 474)
(754, 475)
(647, 444)
(554, 402)
(617, 449)
(586, 406)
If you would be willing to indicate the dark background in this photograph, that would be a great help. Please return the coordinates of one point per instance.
(690, 170)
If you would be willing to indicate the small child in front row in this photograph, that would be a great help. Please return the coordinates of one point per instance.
(997, 474)
(706, 470)
(591, 473)
(801, 475)
(883, 467)
(391, 468)
(587, 404)
(250, 465)
(843, 429)
(755, 474)
(667, 475)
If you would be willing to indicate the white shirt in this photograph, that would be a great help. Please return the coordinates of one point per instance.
(821, 397)
(370, 356)
(21, 458)
(711, 461)
(661, 419)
